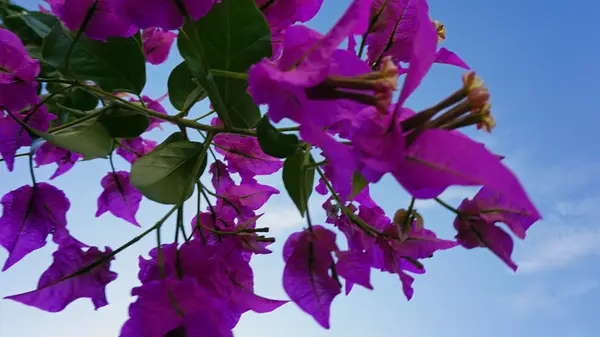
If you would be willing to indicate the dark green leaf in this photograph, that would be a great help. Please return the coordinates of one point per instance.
(81, 100)
(358, 184)
(183, 91)
(74, 98)
(166, 175)
(121, 122)
(298, 180)
(232, 37)
(88, 138)
(30, 27)
(7, 8)
(273, 142)
(115, 65)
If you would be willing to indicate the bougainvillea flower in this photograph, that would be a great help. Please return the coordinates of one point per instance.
(174, 307)
(374, 137)
(414, 39)
(306, 278)
(438, 159)
(244, 155)
(282, 84)
(53, 296)
(282, 14)
(18, 87)
(516, 215)
(138, 145)
(157, 44)
(13, 136)
(341, 164)
(107, 19)
(220, 176)
(476, 225)
(29, 215)
(119, 197)
(417, 243)
(250, 195)
(475, 232)
(49, 153)
(447, 57)
(164, 14)
(355, 268)
(153, 104)
(217, 279)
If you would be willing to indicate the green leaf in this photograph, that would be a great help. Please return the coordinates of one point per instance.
(298, 180)
(232, 37)
(30, 27)
(166, 175)
(74, 98)
(183, 91)
(81, 100)
(358, 184)
(273, 142)
(88, 138)
(121, 122)
(115, 65)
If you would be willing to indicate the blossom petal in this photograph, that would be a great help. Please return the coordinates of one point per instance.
(306, 277)
(447, 57)
(53, 296)
(49, 153)
(119, 197)
(439, 159)
(354, 266)
(29, 215)
(157, 44)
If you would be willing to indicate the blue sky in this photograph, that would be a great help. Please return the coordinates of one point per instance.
(539, 63)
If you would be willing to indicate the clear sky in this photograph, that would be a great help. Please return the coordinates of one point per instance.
(539, 62)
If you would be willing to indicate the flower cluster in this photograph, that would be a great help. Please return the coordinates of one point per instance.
(71, 81)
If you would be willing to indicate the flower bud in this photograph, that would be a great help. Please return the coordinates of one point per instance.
(479, 98)
(441, 30)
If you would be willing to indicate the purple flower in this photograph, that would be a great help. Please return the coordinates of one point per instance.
(53, 294)
(139, 145)
(29, 215)
(119, 197)
(518, 216)
(413, 35)
(164, 13)
(306, 277)
(355, 268)
(447, 57)
(18, 87)
(307, 60)
(438, 159)
(13, 136)
(207, 279)
(157, 44)
(237, 201)
(282, 14)
(50, 154)
(107, 20)
(374, 137)
(154, 314)
(417, 243)
(244, 155)
(476, 225)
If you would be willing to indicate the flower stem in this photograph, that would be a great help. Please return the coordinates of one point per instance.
(446, 206)
(356, 219)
